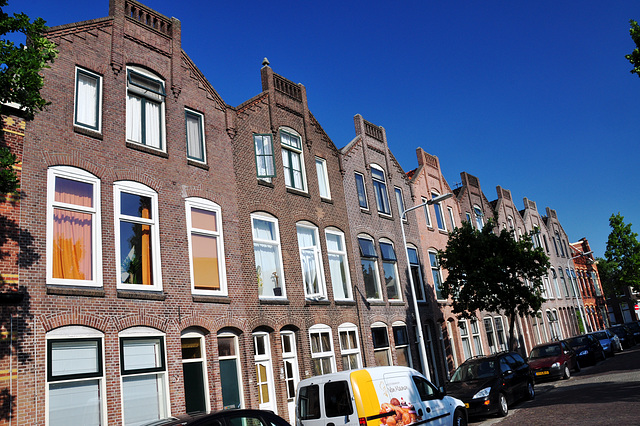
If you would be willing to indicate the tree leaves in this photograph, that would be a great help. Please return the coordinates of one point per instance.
(623, 254)
(634, 56)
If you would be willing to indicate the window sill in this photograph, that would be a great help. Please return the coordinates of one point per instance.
(365, 211)
(298, 192)
(265, 183)
(75, 291)
(396, 302)
(146, 149)
(274, 301)
(87, 132)
(345, 302)
(142, 294)
(376, 302)
(385, 216)
(326, 200)
(312, 302)
(443, 231)
(210, 299)
(198, 164)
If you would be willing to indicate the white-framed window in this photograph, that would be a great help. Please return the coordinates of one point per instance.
(427, 214)
(390, 269)
(464, 337)
(137, 236)
(291, 372)
(265, 160)
(380, 338)
(477, 212)
(452, 343)
(400, 202)
(292, 159)
(554, 275)
(451, 218)
(145, 108)
(75, 377)
(380, 189)
(264, 372)
(436, 274)
(512, 226)
(268, 255)
(322, 357)
(206, 247)
(349, 347)
(475, 335)
(338, 264)
(500, 333)
(194, 122)
(143, 371)
(570, 276)
(88, 100)
(547, 293)
(437, 207)
(323, 178)
(74, 245)
(564, 282)
(194, 370)
(230, 373)
(491, 336)
(311, 261)
(369, 262)
(362, 191)
(401, 339)
(416, 273)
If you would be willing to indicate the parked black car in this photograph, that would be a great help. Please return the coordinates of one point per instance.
(488, 384)
(233, 417)
(588, 349)
(624, 334)
(634, 327)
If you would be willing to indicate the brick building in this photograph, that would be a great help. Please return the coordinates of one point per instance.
(594, 306)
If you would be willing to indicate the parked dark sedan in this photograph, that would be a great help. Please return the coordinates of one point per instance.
(488, 384)
(588, 349)
(225, 418)
(624, 334)
(553, 360)
(634, 327)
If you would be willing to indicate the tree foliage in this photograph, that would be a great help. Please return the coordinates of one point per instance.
(634, 56)
(608, 273)
(493, 272)
(623, 252)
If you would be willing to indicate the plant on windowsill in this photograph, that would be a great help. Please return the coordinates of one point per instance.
(260, 282)
(277, 290)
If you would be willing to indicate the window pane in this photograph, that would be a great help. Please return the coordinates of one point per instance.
(263, 230)
(391, 280)
(135, 254)
(141, 354)
(400, 335)
(400, 202)
(194, 136)
(87, 100)
(369, 272)
(337, 266)
(152, 124)
(267, 269)
(382, 357)
(74, 403)
(191, 347)
(134, 118)
(362, 195)
(72, 245)
(203, 219)
(135, 205)
(387, 252)
(323, 179)
(337, 399)
(380, 338)
(206, 274)
(367, 248)
(141, 396)
(71, 191)
(334, 242)
(264, 155)
(74, 357)
(226, 346)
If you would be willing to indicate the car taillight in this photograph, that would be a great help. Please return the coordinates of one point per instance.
(362, 421)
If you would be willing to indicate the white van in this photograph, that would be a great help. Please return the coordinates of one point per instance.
(378, 396)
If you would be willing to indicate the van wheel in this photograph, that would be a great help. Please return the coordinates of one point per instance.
(459, 419)
(503, 407)
(566, 373)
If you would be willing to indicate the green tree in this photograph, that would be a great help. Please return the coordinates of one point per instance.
(608, 273)
(623, 251)
(634, 56)
(20, 78)
(493, 272)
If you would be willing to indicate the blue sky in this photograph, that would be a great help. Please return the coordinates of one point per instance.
(533, 96)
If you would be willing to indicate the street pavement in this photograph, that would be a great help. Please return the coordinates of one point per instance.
(605, 394)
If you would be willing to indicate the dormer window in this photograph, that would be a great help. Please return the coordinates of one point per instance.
(145, 109)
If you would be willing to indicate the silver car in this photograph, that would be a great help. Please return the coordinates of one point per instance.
(609, 341)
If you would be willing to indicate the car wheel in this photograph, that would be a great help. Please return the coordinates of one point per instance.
(503, 407)
(577, 368)
(459, 418)
(566, 373)
(531, 393)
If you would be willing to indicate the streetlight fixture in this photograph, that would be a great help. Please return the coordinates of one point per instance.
(421, 346)
(576, 292)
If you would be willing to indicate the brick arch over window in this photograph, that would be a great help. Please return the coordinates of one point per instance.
(278, 322)
(137, 175)
(50, 323)
(77, 159)
(142, 320)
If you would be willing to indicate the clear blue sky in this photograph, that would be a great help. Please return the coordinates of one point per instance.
(533, 96)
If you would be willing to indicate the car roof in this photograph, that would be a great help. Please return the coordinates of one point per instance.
(183, 419)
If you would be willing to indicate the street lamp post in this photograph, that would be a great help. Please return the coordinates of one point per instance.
(421, 346)
(577, 293)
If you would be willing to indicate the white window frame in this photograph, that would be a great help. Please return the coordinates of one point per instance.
(97, 106)
(190, 112)
(239, 365)
(478, 214)
(394, 265)
(79, 175)
(323, 353)
(136, 188)
(400, 201)
(451, 217)
(490, 332)
(465, 338)
(427, 213)
(323, 178)
(275, 243)
(345, 261)
(475, 336)
(382, 183)
(380, 349)
(147, 95)
(376, 273)
(436, 269)
(421, 295)
(79, 333)
(452, 344)
(192, 333)
(349, 352)
(204, 204)
(290, 368)
(439, 212)
(321, 293)
(288, 149)
(547, 292)
(264, 360)
(502, 332)
(554, 276)
(364, 191)
(160, 372)
(265, 161)
(402, 347)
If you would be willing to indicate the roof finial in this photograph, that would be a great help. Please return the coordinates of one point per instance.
(265, 62)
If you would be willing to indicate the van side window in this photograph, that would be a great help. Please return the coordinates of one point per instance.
(425, 389)
(337, 399)
(309, 402)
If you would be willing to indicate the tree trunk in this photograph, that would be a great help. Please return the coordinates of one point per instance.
(512, 339)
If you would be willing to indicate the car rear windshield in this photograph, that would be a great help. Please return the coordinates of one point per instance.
(474, 370)
(580, 340)
(600, 335)
(545, 351)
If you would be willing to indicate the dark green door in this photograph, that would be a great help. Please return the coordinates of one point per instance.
(230, 385)
(194, 394)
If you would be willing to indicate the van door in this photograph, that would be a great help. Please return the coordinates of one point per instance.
(434, 410)
(326, 404)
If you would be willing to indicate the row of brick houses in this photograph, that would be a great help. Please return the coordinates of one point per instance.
(171, 253)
